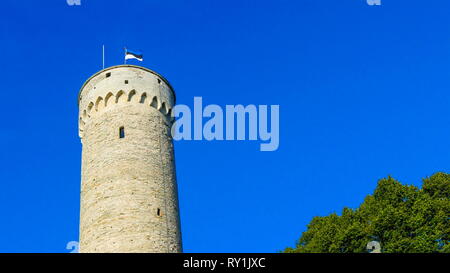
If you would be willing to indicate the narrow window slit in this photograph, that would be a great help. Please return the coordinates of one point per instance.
(122, 132)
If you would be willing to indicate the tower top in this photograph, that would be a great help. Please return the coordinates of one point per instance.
(124, 66)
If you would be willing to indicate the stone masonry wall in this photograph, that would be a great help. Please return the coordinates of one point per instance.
(129, 200)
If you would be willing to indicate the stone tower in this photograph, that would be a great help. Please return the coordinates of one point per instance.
(129, 199)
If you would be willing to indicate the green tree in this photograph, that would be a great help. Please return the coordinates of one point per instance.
(403, 218)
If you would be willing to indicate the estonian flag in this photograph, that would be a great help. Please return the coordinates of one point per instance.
(129, 54)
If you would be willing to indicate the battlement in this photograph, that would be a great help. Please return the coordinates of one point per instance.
(94, 78)
(122, 84)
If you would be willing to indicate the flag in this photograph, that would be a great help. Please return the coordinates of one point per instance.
(129, 54)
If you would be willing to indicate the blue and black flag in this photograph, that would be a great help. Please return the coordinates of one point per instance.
(129, 54)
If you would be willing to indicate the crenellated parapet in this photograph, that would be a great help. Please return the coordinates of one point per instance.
(122, 85)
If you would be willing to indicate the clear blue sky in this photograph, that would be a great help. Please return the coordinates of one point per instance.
(364, 92)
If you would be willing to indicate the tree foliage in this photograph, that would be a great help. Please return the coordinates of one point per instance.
(403, 218)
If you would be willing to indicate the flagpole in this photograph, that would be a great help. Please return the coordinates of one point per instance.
(103, 54)
(125, 56)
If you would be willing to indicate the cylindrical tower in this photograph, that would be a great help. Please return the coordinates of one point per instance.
(129, 198)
